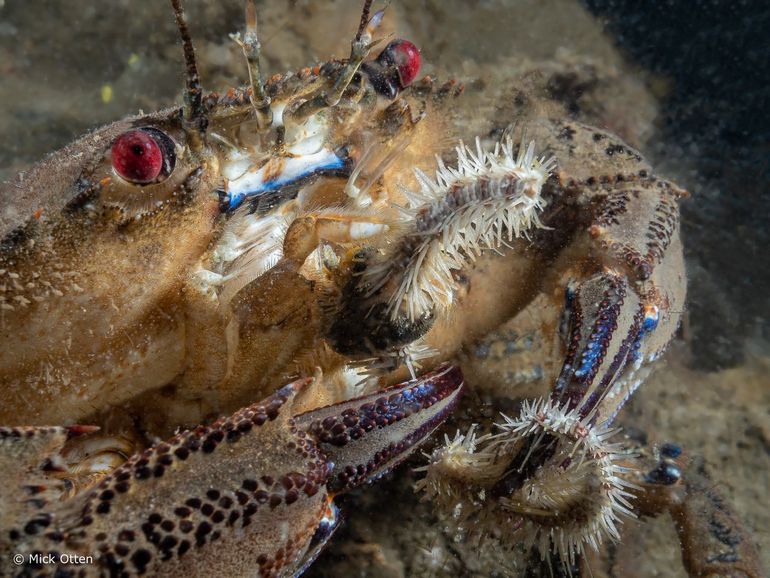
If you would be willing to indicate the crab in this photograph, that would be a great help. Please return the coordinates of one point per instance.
(170, 269)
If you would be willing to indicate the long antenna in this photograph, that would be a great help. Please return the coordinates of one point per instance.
(252, 50)
(193, 114)
(364, 18)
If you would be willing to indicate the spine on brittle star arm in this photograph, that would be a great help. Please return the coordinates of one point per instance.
(488, 199)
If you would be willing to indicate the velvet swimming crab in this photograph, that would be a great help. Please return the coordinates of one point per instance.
(172, 268)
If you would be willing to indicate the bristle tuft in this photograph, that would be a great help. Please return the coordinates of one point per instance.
(575, 499)
(484, 202)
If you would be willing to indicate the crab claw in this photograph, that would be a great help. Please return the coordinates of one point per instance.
(248, 495)
(365, 438)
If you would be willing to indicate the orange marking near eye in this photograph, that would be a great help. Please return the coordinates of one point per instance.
(105, 181)
(39, 213)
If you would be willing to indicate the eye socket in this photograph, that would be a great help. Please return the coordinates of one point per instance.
(143, 156)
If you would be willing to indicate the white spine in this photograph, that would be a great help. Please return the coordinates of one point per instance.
(488, 199)
(585, 475)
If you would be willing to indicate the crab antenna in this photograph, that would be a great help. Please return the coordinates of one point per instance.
(193, 114)
(364, 18)
(359, 50)
(252, 50)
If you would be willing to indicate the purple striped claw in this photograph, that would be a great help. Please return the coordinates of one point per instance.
(366, 437)
(248, 495)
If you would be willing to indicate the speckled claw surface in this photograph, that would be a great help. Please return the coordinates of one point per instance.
(245, 496)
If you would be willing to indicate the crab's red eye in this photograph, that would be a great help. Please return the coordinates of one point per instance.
(394, 69)
(143, 155)
(406, 56)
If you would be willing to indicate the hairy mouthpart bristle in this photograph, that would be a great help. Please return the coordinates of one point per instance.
(249, 247)
(575, 499)
(487, 200)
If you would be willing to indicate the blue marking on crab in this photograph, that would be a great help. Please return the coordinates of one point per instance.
(593, 351)
(280, 172)
(651, 318)
(327, 527)
(649, 324)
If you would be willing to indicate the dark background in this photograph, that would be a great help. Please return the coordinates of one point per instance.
(716, 53)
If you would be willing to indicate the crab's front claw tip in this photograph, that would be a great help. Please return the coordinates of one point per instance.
(366, 437)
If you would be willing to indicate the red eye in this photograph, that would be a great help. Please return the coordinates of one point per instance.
(142, 155)
(406, 57)
(394, 69)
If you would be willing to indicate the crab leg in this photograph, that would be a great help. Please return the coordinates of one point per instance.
(607, 322)
(626, 311)
(400, 418)
(490, 198)
(306, 232)
(250, 494)
(714, 542)
(623, 305)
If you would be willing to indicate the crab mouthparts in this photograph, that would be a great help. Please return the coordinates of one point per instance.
(282, 173)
